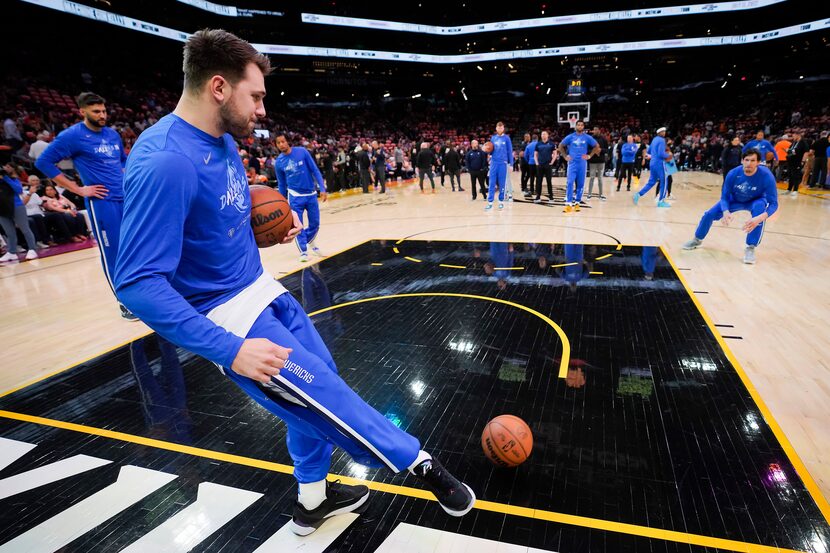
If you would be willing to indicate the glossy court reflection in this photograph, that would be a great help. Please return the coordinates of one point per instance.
(650, 442)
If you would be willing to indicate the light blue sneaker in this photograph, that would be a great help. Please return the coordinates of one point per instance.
(501, 205)
(663, 203)
(488, 207)
(636, 198)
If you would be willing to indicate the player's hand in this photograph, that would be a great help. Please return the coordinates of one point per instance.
(750, 225)
(259, 359)
(324, 196)
(295, 230)
(585, 157)
(727, 218)
(647, 156)
(567, 158)
(93, 191)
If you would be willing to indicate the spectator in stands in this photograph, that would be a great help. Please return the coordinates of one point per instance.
(13, 215)
(35, 213)
(39, 145)
(12, 132)
(56, 203)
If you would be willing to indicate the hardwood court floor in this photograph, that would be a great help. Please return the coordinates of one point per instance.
(58, 312)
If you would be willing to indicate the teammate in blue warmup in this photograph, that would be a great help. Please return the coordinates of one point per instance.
(628, 155)
(501, 159)
(574, 148)
(297, 174)
(750, 187)
(98, 155)
(189, 267)
(658, 157)
(762, 145)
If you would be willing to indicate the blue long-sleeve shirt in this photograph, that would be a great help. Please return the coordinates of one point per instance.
(629, 152)
(502, 149)
(186, 240)
(15, 185)
(529, 150)
(544, 152)
(577, 145)
(98, 156)
(297, 172)
(657, 151)
(764, 146)
(738, 187)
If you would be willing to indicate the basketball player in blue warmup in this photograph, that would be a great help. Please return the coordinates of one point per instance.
(189, 268)
(763, 145)
(657, 168)
(501, 159)
(98, 155)
(750, 187)
(574, 148)
(296, 176)
(628, 153)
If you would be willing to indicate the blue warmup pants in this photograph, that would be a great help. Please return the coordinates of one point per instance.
(577, 168)
(657, 174)
(319, 409)
(309, 204)
(105, 217)
(716, 214)
(498, 177)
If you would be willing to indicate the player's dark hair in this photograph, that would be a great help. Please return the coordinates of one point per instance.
(86, 99)
(212, 52)
(752, 152)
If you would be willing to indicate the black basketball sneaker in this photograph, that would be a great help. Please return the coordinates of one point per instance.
(454, 496)
(340, 499)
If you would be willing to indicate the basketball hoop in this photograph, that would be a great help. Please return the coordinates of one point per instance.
(572, 122)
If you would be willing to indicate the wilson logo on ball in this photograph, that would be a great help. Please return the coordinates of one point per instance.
(260, 219)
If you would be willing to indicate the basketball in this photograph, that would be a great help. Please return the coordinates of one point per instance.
(507, 441)
(770, 156)
(488, 147)
(270, 216)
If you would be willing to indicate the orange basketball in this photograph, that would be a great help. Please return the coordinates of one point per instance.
(507, 441)
(488, 147)
(271, 216)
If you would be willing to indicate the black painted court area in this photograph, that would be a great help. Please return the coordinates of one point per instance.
(652, 425)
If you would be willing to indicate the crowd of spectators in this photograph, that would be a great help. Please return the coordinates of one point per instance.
(337, 135)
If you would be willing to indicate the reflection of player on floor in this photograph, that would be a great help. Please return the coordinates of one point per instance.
(657, 156)
(574, 148)
(98, 155)
(501, 158)
(750, 187)
(296, 176)
(189, 268)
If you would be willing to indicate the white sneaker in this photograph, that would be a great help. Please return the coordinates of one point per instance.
(316, 251)
(794, 193)
(749, 255)
(9, 257)
(603, 198)
(31, 254)
(303, 257)
(587, 199)
(41, 245)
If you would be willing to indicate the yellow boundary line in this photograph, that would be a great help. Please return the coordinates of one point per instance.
(566, 344)
(538, 514)
(452, 266)
(795, 460)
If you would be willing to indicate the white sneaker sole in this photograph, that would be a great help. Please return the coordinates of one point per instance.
(306, 530)
(465, 511)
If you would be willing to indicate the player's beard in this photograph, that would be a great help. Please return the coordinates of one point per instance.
(233, 122)
(97, 123)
